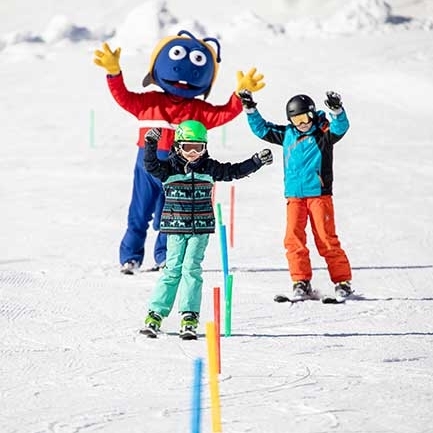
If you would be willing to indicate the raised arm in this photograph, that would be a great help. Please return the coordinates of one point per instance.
(339, 122)
(229, 171)
(267, 131)
(217, 115)
(154, 166)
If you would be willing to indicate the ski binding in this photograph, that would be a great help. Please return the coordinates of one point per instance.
(293, 300)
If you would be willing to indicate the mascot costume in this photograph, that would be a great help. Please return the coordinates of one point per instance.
(184, 67)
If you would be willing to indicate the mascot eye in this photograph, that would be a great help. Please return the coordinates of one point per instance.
(197, 58)
(177, 52)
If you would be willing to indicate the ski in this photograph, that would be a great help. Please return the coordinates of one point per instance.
(156, 268)
(188, 335)
(341, 298)
(326, 299)
(127, 271)
(137, 270)
(333, 300)
(284, 298)
(149, 332)
(152, 269)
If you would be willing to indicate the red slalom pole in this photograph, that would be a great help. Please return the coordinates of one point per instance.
(217, 320)
(232, 216)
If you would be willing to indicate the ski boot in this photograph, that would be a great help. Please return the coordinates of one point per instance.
(188, 325)
(343, 290)
(302, 290)
(129, 267)
(152, 324)
(157, 267)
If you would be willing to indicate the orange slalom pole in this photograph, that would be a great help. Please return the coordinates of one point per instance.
(232, 216)
(217, 320)
(213, 378)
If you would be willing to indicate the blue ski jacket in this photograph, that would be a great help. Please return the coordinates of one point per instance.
(308, 157)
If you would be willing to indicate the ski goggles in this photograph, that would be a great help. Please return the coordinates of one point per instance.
(192, 146)
(301, 118)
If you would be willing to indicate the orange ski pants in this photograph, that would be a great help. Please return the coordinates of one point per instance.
(320, 212)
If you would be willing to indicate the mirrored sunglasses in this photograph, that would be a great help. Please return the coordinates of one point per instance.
(301, 118)
(192, 146)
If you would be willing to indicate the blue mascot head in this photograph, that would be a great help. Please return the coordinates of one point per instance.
(184, 66)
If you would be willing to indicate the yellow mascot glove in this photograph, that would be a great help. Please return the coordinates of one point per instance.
(250, 81)
(108, 59)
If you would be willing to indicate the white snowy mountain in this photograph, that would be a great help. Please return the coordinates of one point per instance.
(148, 21)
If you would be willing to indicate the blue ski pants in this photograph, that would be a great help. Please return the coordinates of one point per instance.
(146, 205)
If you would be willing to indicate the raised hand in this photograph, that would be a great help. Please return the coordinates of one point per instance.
(153, 136)
(247, 101)
(250, 81)
(264, 157)
(107, 59)
(333, 101)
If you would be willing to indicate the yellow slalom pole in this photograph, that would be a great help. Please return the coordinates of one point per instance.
(213, 377)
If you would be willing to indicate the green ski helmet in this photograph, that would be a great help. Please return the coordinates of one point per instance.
(191, 130)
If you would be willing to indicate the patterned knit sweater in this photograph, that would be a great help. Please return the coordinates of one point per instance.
(188, 188)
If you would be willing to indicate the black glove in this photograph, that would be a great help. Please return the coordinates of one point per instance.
(247, 101)
(264, 157)
(152, 137)
(333, 101)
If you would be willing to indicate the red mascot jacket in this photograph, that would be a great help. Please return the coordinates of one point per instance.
(166, 111)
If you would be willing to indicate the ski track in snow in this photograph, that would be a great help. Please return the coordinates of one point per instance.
(97, 351)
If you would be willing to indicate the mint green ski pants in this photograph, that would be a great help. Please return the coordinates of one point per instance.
(183, 273)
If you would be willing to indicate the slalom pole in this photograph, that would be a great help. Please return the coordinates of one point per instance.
(223, 244)
(219, 214)
(217, 320)
(196, 397)
(224, 255)
(92, 128)
(232, 215)
(213, 378)
(228, 307)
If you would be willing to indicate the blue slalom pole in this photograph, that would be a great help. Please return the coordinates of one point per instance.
(196, 397)
(224, 255)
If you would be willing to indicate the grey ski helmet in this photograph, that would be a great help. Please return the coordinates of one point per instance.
(300, 104)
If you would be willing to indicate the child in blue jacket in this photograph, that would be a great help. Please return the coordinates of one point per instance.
(308, 144)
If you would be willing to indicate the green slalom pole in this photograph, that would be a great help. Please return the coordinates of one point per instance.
(219, 214)
(228, 307)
